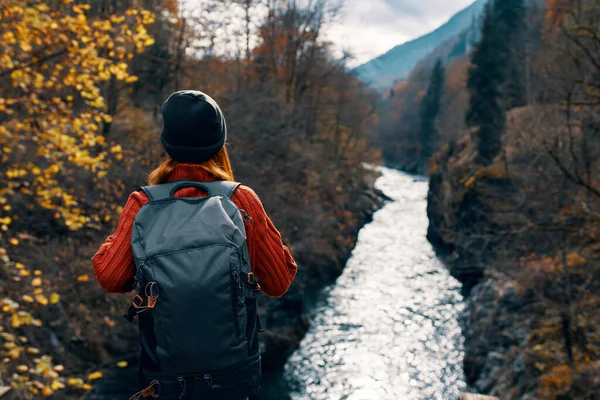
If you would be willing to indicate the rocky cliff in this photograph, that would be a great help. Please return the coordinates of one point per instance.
(528, 334)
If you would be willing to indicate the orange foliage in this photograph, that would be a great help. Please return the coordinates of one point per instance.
(557, 381)
(556, 11)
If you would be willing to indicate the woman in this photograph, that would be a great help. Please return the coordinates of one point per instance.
(194, 136)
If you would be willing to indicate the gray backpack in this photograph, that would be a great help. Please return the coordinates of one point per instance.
(197, 302)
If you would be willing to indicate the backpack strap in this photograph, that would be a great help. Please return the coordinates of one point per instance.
(167, 190)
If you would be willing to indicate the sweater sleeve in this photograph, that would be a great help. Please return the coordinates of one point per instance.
(113, 263)
(271, 260)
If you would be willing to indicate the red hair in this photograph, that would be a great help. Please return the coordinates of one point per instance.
(219, 166)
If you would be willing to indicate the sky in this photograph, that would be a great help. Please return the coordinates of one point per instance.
(366, 28)
(369, 28)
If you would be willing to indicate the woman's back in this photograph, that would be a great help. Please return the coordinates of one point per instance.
(189, 344)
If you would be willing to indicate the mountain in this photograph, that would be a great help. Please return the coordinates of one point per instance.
(383, 71)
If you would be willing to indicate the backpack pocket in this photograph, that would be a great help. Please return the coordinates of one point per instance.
(199, 319)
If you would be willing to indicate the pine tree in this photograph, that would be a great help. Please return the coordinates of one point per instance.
(494, 82)
(509, 16)
(431, 109)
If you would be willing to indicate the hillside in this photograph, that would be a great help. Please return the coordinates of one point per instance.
(383, 71)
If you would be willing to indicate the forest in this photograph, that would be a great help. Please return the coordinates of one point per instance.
(81, 84)
(509, 134)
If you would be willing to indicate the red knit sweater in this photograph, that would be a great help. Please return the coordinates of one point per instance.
(271, 261)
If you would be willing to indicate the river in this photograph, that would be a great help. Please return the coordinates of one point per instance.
(388, 328)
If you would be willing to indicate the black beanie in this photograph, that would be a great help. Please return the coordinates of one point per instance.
(194, 127)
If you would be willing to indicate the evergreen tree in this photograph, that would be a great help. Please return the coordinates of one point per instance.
(431, 109)
(493, 82)
(509, 16)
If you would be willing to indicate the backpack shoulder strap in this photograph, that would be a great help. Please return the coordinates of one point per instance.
(167, 190)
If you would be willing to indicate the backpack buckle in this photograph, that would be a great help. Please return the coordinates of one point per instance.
(150, 290)
(150, 390)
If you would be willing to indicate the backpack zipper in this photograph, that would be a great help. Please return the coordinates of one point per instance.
(239, 288)
(168, 253)
(209, 381)
(236, 289)
(138, 276)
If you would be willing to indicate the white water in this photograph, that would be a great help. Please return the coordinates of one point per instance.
(388, 329)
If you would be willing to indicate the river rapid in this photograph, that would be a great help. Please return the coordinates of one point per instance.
(388, 328)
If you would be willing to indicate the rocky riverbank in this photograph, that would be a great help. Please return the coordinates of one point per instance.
(495, 323)
(526, 336)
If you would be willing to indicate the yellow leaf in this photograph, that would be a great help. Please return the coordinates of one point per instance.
(83, 278)
(18, 265)
(15, 323)
(77, 382)
(47, 391)
(36, 282)
(54, 298)
(57, 385)
(87, 386)
(26, 47)
(43, 300)
(28, 299)
(22, 368)
(540, 366)
(470, 182)
(94, 375)
(14, 353)
(59, 368)
(122, 364)
(14, 241)
(33, 350)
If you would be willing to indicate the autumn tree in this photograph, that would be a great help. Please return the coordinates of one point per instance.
(55, 58)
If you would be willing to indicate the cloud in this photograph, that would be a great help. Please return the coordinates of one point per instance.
(406, 7)
(368, 28)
